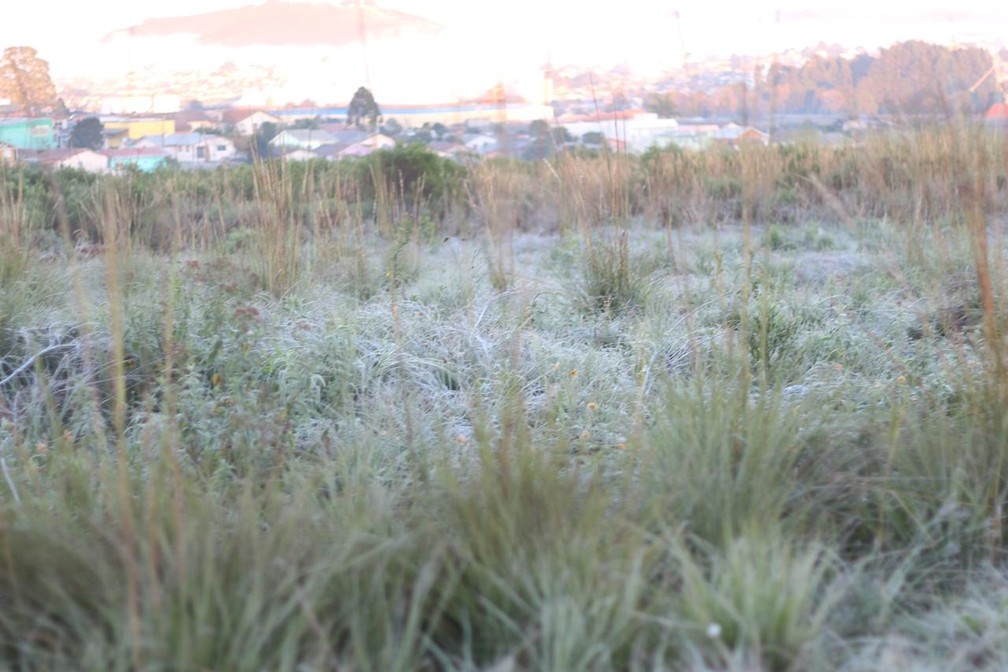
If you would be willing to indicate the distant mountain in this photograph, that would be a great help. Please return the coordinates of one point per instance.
(288, 23)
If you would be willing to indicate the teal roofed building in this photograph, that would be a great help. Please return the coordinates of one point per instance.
(144, 159)
(27, 133)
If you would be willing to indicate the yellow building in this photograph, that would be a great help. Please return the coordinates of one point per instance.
(138, 127)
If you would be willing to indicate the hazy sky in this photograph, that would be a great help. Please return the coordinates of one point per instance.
(488, 39)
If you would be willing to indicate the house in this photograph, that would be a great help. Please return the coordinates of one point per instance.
(304, 154)
(193, 120)
(27, 133)
(8, 153)
(997, 114)
(855, 126)
(62, 126)
(355, 150)
(191, 147)
(343, 134)
(368, 144)
(83, 159)
(735, 135)
(144, 159)
(378, 141)
(365, 144)
(138, 127)
(692, 136)
(329, 152)
(115, 137)
(756, 136)
(249, 124)
(302, 138)
(445, 149)
(636, 129)
(482, 144)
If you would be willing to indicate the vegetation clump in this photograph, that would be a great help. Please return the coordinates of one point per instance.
(698, 410)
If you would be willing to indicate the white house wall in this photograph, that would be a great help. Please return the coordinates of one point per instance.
(89, 161)
(252, 123)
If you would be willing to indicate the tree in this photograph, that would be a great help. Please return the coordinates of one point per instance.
(539, 129)
(915, 77)
(260, 141)
(87, 133)
(363, 108)
(542, 141)
(662, 104)
(619, 102)
(25, 80)
(560, 135)
(392, 127)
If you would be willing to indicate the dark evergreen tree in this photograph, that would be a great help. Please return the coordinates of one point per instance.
(88, 133)
(363, 110)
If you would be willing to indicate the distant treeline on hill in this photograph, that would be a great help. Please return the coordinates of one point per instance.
(909, 78)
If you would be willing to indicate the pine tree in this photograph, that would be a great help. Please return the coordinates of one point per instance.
(363, 108)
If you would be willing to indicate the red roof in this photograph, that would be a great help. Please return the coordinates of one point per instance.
(235, 114)
(997, 111)
(56, 155)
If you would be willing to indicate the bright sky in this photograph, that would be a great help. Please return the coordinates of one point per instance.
(496, 39)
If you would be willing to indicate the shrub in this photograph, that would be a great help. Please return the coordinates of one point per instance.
(414, 174)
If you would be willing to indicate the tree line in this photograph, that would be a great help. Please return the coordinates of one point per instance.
(909, 78)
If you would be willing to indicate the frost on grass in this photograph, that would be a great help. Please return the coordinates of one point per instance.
(478, 452)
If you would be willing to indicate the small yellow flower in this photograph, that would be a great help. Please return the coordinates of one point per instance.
(591, 406)
(217, 380)
(901, 380)
(573, 373)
